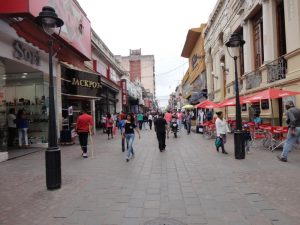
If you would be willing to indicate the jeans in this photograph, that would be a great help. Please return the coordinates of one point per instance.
(179, 122)
(129, 140)
(247, 145)
(290, 141)
(223, 139)
(145, 125)
(188, 127)
(23, 135)
(140, 124)
(83, 140)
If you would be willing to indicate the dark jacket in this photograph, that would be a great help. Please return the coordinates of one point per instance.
(293, 117)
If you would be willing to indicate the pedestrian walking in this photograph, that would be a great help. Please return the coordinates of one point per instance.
(84, 127)
(22, 126)
(121, 127)
(129, 129)
(222, 129)
(293, 121)
(168, 117)
(150, 120)
(247, 137)
(109, 123)
(140, 120)
(188, 122)
(162, 129)
(179, 119)
(11, 127)
(145, 121)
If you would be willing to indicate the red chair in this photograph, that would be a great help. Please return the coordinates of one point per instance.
(279, 135)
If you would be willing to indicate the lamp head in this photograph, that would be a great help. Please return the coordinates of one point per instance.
(49, 20)
(235, 42)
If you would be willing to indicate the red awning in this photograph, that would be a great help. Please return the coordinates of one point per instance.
(271, 93)
(207, 105)
(232, 102)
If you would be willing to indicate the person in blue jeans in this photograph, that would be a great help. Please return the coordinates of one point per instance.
(129, 129)
(293, 121)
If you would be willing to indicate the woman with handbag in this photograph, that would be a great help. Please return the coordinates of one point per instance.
(222, 129)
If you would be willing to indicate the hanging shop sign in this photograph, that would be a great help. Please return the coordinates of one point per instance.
(124, 92)
(25, 53)
(75, 82)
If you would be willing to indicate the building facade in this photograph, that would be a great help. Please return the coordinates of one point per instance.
(24, 67)
(271, 30)
(194, 81)
(141, 69)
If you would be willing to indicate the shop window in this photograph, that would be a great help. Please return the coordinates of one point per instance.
(258, 39)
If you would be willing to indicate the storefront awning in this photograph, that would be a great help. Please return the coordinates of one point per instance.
(110, 84)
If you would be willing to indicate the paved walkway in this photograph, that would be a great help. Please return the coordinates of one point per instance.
(190, 182)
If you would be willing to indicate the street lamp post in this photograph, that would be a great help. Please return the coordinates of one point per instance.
(235, 43)
(49, 20)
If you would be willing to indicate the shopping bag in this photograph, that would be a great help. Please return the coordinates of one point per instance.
(218, 142)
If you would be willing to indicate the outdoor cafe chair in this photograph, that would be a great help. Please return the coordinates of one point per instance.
(278, 137)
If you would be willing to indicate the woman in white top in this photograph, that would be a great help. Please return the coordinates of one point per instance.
(222, 129)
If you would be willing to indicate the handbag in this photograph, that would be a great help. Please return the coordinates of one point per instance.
(218, 142)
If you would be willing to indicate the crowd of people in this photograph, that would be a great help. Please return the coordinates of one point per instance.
(131, 123)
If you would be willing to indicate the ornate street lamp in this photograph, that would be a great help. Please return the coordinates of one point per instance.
(49, 20)
(235, 43)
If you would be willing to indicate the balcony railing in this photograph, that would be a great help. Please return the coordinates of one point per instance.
(211, 96)
(253, 79)
(277, 70)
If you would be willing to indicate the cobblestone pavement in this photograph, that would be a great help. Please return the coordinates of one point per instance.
(190, 182)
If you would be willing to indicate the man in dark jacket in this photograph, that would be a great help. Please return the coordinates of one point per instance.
(161, 128)
(293, 121)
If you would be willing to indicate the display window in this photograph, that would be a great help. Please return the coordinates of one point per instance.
(24, 105)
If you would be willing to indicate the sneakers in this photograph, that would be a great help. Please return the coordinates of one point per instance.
(224, 152)
(84, 155)
(281, 158)
(127, 160)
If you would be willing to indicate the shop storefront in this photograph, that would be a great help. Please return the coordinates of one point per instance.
(80, 90)
(23, 87)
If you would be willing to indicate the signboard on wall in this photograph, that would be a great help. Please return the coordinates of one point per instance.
(76, 82)
(77, 28)
(124, 92)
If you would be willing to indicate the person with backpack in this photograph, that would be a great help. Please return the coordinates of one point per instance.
(109, 125)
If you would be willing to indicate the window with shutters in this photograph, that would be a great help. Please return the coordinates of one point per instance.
(258, 39)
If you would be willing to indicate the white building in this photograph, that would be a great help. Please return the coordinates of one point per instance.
(269, 58)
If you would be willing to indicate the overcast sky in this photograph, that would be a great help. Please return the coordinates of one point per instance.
(158, 27)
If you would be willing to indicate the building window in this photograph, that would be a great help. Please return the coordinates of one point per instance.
(281, 29)
(135, 70)
(258, 39)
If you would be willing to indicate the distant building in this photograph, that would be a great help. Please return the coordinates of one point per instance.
(141, 69)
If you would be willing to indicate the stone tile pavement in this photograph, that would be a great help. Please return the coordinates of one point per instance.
(190, 182)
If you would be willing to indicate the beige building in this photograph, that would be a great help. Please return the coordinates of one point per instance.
(141, 68)
(269, 58)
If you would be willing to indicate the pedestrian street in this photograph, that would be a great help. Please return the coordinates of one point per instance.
(190, 183)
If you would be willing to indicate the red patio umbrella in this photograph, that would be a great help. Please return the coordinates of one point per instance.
(232, 102)
(207, 105)
(271, 94)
